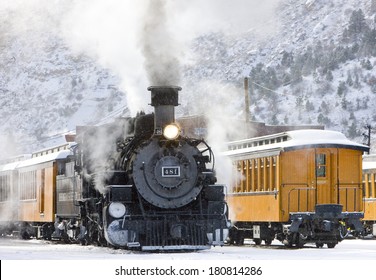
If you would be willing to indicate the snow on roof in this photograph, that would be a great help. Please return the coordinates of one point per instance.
(9, 166)
(369, 162)
(319, 137)
(45, 158)
(369, 165)
(13, 162)
(293, 139)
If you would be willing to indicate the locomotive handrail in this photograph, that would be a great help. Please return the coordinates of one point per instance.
(211, 154)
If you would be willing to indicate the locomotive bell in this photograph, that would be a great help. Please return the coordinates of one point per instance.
(163, 99)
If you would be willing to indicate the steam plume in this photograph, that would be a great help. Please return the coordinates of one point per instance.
(159, 47)
(143, 41)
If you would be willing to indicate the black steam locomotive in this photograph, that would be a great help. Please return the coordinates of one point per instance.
(147, 188)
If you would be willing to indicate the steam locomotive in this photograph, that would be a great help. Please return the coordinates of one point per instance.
(137, 183)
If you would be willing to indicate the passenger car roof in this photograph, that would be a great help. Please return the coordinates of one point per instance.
(290, 140)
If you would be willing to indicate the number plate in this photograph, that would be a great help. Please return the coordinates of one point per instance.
(171, 171)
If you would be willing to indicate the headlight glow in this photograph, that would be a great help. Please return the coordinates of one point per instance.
(116, 209)
(171, 131)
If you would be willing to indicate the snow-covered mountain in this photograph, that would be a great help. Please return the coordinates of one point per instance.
(47, 87)
(306, 72)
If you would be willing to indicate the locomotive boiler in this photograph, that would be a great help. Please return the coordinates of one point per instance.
(149, 187)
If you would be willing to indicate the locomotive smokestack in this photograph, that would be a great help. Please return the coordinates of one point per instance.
(163, 99)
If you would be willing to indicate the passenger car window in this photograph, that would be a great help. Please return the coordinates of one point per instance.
(320, 165)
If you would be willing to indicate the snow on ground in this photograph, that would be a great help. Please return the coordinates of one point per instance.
(348, 259)
(351, 249)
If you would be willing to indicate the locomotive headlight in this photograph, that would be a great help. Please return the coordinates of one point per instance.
(171, 131)
(116, 209)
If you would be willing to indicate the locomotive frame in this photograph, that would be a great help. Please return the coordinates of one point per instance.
(299, 187)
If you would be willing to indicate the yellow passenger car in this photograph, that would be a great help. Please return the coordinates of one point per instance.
(37, 189)
(9, 202)
(369, 181)
(8, 195)
(299, 186)
(28, 193)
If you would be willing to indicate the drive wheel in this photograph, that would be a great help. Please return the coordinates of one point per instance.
(319, 244)
(268, 241)
(257, 241)
(239, 240)
(301, 240)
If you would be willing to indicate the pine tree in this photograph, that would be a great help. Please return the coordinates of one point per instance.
(366, 64)
(349, 80)
(357, 25)
(352, 131)
(287, 59)
(309, 106)
(369, 42)
(342, 88)
(329, 76)
(324, 108)
(344, 102)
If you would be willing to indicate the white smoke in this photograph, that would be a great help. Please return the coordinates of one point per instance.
(219, 102)
(160, 48)
(8, 213)
(34, 16)
(9, 145)
(100, 153)
(9, 207)
(146, 42)
(231, 17)
(109, 32)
